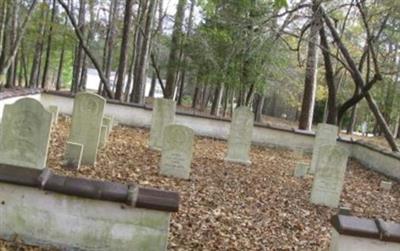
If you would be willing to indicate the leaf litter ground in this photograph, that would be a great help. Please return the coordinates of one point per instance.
(226, 206)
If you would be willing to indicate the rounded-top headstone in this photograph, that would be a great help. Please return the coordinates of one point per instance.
(177, 151)
(25, 134)
(87, 118)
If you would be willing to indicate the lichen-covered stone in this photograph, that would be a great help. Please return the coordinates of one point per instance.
(25, 134)
(240, 135)
(163, 115)
(329, 178)
(177, 151)
(87, 118)
(73, 155)
(326, 135)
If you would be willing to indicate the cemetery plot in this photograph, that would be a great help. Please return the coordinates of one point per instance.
(226, 206)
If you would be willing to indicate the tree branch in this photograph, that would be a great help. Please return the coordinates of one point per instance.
(87, 51)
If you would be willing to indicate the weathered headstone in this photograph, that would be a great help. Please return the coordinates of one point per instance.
(103, 136)
(177, 151)
(326, 135)
(385, 185)
(329, 178)
(54, 113)
(240, 135)
(25, 133)
(87, 118)
(301, 169)
(108, 121)
(163, 115)
(73, 155)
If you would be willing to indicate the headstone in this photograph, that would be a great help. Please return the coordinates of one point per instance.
(301, 169)
(73, 155)
(177, 151)
(108, 121)
(240, 135)
(386, 185)
(54, 112)
(163, 115)
(25, 134)
(329, 178)
(326, 135)
(87, 118)
(103, 136)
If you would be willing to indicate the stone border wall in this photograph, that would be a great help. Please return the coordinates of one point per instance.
(372, 157)
(351, 233)
(50, 210)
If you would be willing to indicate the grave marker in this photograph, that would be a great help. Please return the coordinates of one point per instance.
(108, 121)
(163, 115)
(103, 136)
(329, 178)
(73, 155)
(54, 112)
(177, 151)
(87, 118)
(326, 135)
(240, 135)
(25, 134)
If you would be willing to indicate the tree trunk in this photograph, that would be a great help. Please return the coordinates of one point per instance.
(216, 104)
(330, 78)
(174, 51)
(10, 83)
(141, 64)
(49, 39)
(35, 69)
(259, 103)
(6, 62)
(195, 96)
(353, 119)
(310, 83)
(358, 79)
(78, 59)
(105, 82)
(123, 56)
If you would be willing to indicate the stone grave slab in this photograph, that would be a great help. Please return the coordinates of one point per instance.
(25, 134)
(87, 118)
(54, 112)
(326, 135)
(103, 136)
(329, 178)
(177, 151)
(385, 185)
(163, 115)
(240, 135)
(108, 121)
(73, 155)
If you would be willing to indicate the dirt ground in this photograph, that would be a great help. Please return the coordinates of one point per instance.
(226, 206)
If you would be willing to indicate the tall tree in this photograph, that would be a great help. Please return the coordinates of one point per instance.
(174, 50)
(49, 40)
(123, 57)
(310, 82)
(9, 59)
(142, 56)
